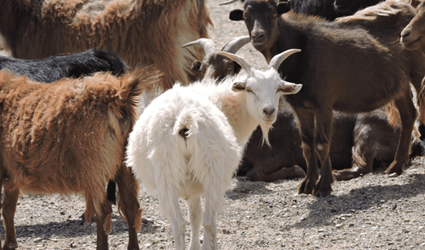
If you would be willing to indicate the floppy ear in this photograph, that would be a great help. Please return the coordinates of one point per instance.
(238, 86)
(288, 88)
(236, 15)
(283, 7)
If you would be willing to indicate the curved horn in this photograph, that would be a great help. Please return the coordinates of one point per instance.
(240, 60)
(228, 2)
(205, 43)
(234, 44)
(277, 60)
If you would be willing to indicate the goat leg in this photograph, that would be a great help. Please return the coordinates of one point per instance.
(128, 205)
(408, 115)
(10, 200)
(195, 214)
(103, 225)
(306, 120)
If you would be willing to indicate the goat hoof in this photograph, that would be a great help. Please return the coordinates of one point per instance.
(304, 189)
(394, 169)
(322, 193)
(392, 175)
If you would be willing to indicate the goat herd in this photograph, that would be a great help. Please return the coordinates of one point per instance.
(71, 123)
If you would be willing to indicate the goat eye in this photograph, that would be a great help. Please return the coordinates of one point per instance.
(249, 90)
(275, 15)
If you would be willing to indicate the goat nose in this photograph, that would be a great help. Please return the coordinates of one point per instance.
(257, 34)
(268, 111)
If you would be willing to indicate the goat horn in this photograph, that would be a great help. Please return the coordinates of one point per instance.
(205, 43)
(228, 2)
(240, 60)
(233, 45)
(277, 60)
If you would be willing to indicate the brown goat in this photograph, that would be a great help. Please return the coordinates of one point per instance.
(352, 66)
(413, 35)
(359, 143)
(69, 137)
(141, 32)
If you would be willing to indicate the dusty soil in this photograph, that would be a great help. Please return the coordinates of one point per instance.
(374, 211)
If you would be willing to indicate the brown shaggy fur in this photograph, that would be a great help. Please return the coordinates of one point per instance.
(141, 32)
(68, 136)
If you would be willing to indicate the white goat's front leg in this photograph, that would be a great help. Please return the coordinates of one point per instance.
(195, 214)
(210, 227)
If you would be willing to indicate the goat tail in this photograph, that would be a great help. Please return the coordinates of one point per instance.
(133, 83)
(186, 124)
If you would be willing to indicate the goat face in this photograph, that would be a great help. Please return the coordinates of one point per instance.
(261, 19)
(214, 65)
(413, 36)
(263, 89)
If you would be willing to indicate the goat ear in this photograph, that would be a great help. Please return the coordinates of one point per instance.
(283, 7)
(238, 86)
(288, 88)
(236, 15)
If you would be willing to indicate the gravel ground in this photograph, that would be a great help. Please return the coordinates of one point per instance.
(374, 211)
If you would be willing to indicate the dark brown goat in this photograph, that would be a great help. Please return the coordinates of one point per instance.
(343, 67)
(413, 35)
(214, 65)
(359, 142)
(69, 137)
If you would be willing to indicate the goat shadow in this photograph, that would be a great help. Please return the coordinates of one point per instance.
(358, 199)
(73, 228)
(246, 188)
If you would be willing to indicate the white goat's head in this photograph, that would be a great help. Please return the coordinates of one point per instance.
(264, 89)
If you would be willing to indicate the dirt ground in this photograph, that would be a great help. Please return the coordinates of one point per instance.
(374, 211)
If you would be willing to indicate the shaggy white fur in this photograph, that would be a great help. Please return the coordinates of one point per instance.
(189, 142)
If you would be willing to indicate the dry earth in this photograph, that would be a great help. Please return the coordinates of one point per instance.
(373, 211)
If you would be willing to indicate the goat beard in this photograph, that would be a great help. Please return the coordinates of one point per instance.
(265, 128)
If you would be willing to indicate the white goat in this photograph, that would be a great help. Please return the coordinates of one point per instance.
(190, 140)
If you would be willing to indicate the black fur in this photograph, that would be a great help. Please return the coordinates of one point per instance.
(74, 65)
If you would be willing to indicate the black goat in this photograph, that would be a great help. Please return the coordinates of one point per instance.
(328, 9)
(352, 66)
(57, 67)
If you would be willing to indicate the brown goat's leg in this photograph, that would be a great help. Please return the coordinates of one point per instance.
(362, 163)
(408, 115)
(128, 205)
(323, 143)
(306, 119)
(103, 224)
(354, 172)
(10, 199)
